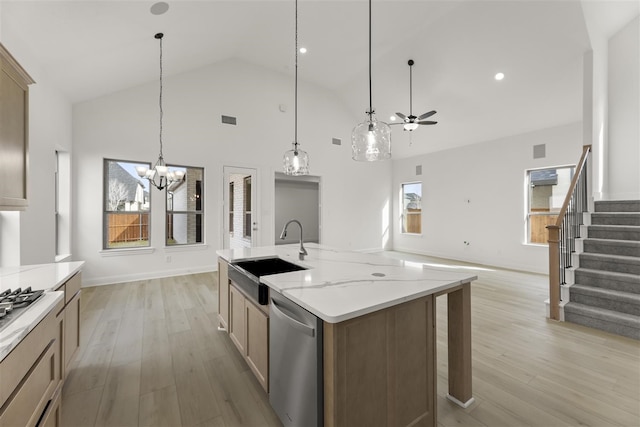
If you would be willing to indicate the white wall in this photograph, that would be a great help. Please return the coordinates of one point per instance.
(124, 125)
(624, 112)
(297, 199)
(477, 194)
(49, 130)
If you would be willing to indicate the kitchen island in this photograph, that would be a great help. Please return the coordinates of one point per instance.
(379, 343)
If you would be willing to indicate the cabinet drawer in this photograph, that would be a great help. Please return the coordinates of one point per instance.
(72, 286)
(21, 359)
(31, 397)
(53, 415)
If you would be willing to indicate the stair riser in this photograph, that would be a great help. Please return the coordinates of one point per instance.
(620, 219)
(613, 234)
(623, 284)
(617, 206)
(617, 266)
(614, 328)
(626, 248)
(608, 304)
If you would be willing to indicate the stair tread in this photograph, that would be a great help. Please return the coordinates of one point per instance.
(609, 256)
(607, 273)
(615, 226)
(600, 240)
(606, 293)
(602, 313)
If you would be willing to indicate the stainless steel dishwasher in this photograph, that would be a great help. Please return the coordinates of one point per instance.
(295, 363)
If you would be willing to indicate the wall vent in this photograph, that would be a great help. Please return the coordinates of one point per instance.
(336, 141)
(229, 120)
(539, 151)
(419, 170)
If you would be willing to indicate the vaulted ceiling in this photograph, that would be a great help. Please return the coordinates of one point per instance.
(92, 48)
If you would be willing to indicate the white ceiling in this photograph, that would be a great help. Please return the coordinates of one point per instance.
(91, 48)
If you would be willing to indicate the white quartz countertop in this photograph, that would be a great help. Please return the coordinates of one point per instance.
(340, 285)
(40, 277)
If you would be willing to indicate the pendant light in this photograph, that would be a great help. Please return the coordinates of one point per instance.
(159, 176)
(371, 139)
(296, 161)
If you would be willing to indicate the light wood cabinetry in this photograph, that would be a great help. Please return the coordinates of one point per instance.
(223, 294)
(379, 368)
(237, 324)
(69, 315)
(30, 375)
(14, 130)
(248, 327)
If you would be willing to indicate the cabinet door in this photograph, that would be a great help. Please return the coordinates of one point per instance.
(258, 343)
(71, 330)
(237, 325)
(53, 415)
(223, 293)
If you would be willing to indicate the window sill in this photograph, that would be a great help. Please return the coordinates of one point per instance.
(187, 247)
(411, 234)
(128, 251)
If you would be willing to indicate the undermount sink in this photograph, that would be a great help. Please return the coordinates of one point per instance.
(265, 266)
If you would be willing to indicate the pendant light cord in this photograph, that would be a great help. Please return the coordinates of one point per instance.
(295, 108)
(370, 112)
(159, 36)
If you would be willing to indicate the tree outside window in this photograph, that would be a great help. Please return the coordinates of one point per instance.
(412, 208)
(126, 205)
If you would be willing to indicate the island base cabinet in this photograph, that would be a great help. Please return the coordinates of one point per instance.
(379, 369)
(223, 294)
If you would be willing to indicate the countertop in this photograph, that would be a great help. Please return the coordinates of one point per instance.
(341, 285)
(40, 277)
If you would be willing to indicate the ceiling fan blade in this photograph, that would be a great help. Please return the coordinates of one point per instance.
(426, 122)
(427, 115)
(391, 124)
(402, 116)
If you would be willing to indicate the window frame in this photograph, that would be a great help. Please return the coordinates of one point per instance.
(529, 214)
(403, 214)
(106, 212)
(246, 202)
(199, 213)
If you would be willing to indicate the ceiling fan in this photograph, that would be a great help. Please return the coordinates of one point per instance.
(412, 122)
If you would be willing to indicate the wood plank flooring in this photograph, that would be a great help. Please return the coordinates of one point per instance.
(151, 355)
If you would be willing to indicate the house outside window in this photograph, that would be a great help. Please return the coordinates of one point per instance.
(411, 208)
(232, 198)
(546, 191)
(126, 205)
(185, 207)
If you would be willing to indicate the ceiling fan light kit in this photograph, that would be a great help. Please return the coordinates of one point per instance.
(412, 122)
(296, 161)
(371, 139)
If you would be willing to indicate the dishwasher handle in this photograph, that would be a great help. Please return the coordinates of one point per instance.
(306, 329)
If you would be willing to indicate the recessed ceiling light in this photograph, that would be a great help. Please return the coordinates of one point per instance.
(159, 8)
(499, 76)
(303, 50)
(392, 118)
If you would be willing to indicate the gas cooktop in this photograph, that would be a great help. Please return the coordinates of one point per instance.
(14, 303)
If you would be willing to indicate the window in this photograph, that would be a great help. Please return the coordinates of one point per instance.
(247, 207)
(232, 197)
(126, 205)
(547, 189)
(412, 208)
(185, 207)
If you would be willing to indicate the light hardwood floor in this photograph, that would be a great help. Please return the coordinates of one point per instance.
(151, 355)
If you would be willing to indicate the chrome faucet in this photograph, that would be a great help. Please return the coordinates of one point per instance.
(302, 251)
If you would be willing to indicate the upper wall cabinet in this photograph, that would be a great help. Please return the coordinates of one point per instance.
(14, 132)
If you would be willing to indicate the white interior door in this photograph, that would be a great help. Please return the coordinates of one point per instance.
(240, 216)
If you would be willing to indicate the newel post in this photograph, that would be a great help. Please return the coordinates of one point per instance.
(554, 271)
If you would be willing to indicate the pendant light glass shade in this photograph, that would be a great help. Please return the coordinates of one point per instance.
(296, 161)
(371, 140)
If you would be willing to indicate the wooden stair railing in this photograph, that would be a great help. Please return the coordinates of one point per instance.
(562, 234)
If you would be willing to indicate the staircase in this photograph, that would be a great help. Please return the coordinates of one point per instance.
(606, 290)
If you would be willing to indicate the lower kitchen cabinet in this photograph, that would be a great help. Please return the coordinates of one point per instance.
(30, 375)
(223, 294)
(249, 331)
(70, 317)
(53, 415)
